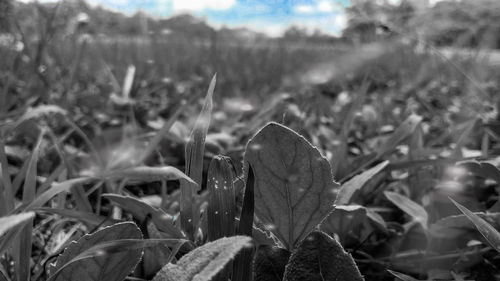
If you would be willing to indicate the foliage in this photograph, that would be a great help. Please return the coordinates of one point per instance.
(301, 163)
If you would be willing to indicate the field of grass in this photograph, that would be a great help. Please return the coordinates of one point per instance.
(140, 158)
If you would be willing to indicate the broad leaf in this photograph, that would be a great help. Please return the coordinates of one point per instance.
(109, 248)
(270, 262)
(348, 189)
(140, 210)
(100, 267)
(9, 222)
(482, 169)
(294, 187)
(417, 212)
(154, 258)
(491, 235)
(319, 257)
(203, 263)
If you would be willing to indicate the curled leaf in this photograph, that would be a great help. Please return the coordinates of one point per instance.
(221, 199)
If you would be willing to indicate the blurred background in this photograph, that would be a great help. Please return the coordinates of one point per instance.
(344, 74)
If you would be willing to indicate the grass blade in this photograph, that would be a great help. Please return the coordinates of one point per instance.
(242, 266)
(89, 219)
(146, 174)
(159, 136)
(8, 193)
(29, 191)
(491, 235)
(56, 188)
(9, 222)
(129, 80)
(417, 212)
(401, 276)
(195, 149)
(401, 133)
(349, 188)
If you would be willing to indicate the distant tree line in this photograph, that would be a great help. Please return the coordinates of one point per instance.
(470, 24)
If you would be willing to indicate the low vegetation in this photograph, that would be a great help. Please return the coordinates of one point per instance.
(375, 159)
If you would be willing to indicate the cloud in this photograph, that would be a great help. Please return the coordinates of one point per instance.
(340, 21)
(200, 5)
(322, 6)
(304, 9)
(327, 6)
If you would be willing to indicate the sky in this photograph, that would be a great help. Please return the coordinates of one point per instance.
(269, 16)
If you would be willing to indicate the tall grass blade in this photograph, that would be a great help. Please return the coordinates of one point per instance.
(242, 266)
(146, 174)
(56, 188)
(89, 219)
(8, 194)
(195, 149)
(10, 239)
(491, 235)
(23, 268)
